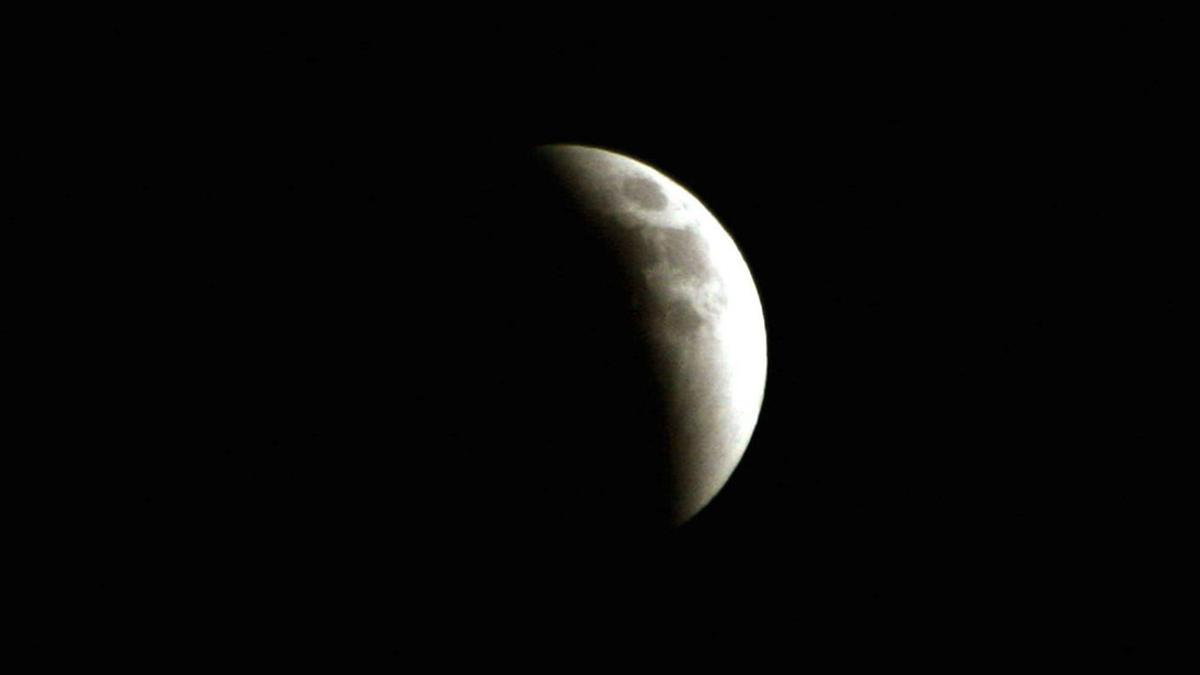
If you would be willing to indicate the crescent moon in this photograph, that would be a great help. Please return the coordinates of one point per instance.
(693, 297)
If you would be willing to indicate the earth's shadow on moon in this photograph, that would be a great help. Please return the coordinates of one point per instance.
(573, 402)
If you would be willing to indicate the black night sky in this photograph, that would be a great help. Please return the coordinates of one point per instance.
(959, 459)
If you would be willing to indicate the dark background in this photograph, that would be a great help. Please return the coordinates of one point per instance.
(957, 231)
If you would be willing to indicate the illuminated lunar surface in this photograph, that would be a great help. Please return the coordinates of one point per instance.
(695, 303)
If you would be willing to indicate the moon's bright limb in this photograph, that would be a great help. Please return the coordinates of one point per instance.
(694, 297)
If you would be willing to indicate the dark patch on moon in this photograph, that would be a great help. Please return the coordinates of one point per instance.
(660, 261)
(644, 192)
(680, 317)
(685, 254)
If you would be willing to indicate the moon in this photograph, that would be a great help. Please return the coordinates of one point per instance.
(693, 304)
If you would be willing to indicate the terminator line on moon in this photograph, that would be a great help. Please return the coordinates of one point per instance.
(696, 303)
